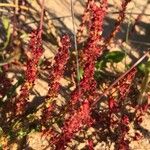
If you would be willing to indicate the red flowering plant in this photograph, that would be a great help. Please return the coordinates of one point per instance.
(35, 50)
(55, 74)
(93, 111)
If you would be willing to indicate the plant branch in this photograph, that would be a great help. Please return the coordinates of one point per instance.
(118, 79)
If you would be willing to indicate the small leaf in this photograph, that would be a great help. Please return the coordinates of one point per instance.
(97, 75)
(25, 37)
(147, 66)
(100, 65)
(141, 67)
(21, 134)
(115, 56)
(8, 30)
(144, 67)
(5, 22)
(1, 131)
(80, 75)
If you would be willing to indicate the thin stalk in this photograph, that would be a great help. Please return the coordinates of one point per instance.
(75, 40)
(42, 16)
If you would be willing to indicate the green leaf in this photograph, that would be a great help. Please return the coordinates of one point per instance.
(147, 66)
(141, 67)
(100, 65)
(80, 75)
(21, 134)
(97, 75)
(1, 131)
(8, 29)
(1, 147)
(144, 67)
(114, 56)
(11, 135)
(25, 37)
(5, 22)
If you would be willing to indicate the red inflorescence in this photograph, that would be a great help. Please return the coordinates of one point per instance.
(55, 74)
(125, 84)
(120, 19)
(85, 20)
(57, 71)
(84, 85)
(90, 52)
(80, 118)
(35, 51)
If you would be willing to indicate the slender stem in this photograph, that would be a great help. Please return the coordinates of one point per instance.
(42, 15)
(75, 39)
(118, 79)
(139, 42)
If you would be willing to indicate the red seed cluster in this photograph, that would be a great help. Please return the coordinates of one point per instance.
(125, 84)
(118, 23)
(55, 74)
(57, 71)
(85, 20)
(77, 120)
(90, 52)
(35, 51)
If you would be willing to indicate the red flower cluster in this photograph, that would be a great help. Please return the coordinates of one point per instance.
(120, 19)
(77, 120)
(81, 116)
(125, 84)
(123, 143)
(55, 74)
(57, 71)
(90, 52)
(84, 85)
(35, 52)
(116, 107)
(85, 20)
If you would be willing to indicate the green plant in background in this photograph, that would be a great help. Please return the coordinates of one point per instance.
(22, 133)
(80, 75)
(145, 69)
(8, 30)
(109, 57)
